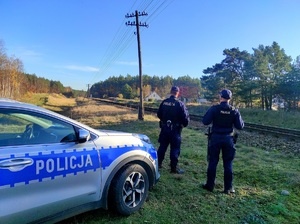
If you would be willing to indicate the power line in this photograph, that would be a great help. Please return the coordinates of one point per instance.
(124, 38)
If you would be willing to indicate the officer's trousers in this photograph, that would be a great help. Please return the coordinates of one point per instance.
(217, 144)
(170, 137)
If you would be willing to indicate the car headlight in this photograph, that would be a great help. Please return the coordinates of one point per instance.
(142, 137)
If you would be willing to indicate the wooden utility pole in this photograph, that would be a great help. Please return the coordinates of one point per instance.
(138, 24)
(88, 91)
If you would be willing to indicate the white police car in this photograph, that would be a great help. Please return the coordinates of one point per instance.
(52, 167)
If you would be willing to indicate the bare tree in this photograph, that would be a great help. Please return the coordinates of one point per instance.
(11, 74)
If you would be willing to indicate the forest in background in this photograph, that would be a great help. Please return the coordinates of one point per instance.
(255, 79)
(14, 83)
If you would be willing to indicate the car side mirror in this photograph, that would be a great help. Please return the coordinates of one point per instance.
(83, 135)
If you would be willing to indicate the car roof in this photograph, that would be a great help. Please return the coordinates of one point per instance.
(13, 104)
(9, 103)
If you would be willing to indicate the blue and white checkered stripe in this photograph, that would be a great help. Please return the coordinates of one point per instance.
(47, 166)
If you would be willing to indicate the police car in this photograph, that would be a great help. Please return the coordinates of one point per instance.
(52, 167)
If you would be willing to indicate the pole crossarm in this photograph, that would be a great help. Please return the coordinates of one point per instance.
(134, 14)
(129, 23)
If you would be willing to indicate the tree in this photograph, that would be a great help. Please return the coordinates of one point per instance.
(15, 83)
(230, 73)
(127, 91)
(211, 85)
(271, 64)
(155, 82)
(11, 69)
(289, 86)
(189, 87)
(56, 87)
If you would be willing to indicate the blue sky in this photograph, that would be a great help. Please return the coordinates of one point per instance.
(81, 42)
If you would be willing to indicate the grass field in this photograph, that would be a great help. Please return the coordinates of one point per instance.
(261, 179)
(267, 183)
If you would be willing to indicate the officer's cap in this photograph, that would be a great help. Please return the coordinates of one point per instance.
(226, 94)
(174, 89)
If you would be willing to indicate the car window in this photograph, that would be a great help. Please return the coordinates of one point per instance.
(19, 127)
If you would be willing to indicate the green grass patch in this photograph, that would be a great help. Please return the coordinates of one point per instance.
(280, 118)
(259, 179)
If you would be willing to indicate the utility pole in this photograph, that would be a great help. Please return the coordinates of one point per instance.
(88, 91)
(138, 24)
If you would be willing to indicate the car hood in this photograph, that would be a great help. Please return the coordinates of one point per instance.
(102, 132)
(144, 138)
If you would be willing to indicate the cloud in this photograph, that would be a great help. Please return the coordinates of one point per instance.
(30, 53)
(81, 68)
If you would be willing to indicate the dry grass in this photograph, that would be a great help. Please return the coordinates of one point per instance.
(97, 115)
(54, 102)
(58, 100)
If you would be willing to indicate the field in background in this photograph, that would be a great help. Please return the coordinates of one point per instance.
(54, 102)
(280, 118)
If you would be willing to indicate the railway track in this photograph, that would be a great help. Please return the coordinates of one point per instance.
(270, 130)
(262, 128)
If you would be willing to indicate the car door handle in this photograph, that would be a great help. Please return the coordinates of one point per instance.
(16, 164)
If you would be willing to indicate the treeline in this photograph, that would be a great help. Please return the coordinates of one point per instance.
(257, 78)
(15, 83)
(128, 87)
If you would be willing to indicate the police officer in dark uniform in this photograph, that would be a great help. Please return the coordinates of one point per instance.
(173, 117)
(224, 118)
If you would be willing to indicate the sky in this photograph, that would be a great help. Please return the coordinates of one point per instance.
(82, 42)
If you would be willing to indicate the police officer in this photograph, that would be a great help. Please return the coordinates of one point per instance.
(224, 118)
(173, 117)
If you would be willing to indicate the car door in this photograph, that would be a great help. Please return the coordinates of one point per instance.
(43, 171)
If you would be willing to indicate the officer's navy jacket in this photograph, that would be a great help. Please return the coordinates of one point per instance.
(224, 118)
(173, 110)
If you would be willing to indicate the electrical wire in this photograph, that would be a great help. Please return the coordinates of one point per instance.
(124, 36)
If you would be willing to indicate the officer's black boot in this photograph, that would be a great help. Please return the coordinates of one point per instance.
(177, 170)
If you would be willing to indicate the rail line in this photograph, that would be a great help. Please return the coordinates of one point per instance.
(248, 126)
(262, 128)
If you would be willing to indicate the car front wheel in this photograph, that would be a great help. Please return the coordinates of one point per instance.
(130, 189)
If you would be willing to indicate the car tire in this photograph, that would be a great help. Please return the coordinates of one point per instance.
(130, 189)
